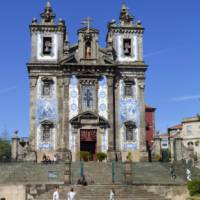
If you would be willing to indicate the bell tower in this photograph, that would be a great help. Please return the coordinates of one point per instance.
(127, 37)
(48, 38)
(125, 44)
(49, 44)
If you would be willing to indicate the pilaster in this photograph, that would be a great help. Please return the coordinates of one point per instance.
(65, 124)
(142, 128)
(140, 47)
(110, 114)
(32, 115)
(117, 113)
(60, 133)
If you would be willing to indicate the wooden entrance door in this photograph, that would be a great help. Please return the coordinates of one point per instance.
(88, 141)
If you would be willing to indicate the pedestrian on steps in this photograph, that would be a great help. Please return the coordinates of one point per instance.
(112, 195)
(56, 194)
(188, 174)
(172, 172)
(71, 195)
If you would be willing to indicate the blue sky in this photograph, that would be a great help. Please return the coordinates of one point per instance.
(171, 48)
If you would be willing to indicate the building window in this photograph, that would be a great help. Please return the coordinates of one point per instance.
(128, 89)
(88, 97)
(127, 47)
(46, 131)
(47, 46)
(47, 88)
(130, 131)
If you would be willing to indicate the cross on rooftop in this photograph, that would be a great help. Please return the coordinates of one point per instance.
(87, 21)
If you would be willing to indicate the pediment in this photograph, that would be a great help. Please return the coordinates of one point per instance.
(88, 118)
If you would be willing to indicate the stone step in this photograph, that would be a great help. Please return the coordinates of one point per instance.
(100, 192)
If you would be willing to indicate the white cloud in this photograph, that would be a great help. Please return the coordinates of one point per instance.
(186, 98)
(8, 89)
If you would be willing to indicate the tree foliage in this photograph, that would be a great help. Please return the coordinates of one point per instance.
(5, 151)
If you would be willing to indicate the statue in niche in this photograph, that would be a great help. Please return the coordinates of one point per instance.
(88, 50)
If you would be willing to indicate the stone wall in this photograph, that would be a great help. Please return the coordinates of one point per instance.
(173, 192)
(18, 192)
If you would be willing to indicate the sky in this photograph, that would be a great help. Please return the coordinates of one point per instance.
(171, 49)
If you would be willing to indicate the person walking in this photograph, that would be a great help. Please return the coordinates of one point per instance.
(112, 195)
(56, 194)
(188, 174)
(172, 172)
(71, 195)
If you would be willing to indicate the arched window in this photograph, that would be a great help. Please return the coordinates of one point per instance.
(88, 52)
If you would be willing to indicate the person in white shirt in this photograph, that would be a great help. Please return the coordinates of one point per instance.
(55, 158)
(112, 195)
(71, 195)
(188, 174)
(56, 194)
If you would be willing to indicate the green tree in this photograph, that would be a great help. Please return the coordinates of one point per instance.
(5, 151)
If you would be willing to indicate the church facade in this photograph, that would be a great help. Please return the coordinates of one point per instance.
(84, 97)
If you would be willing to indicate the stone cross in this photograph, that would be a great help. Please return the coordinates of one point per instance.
(88, 97)
(87, 21)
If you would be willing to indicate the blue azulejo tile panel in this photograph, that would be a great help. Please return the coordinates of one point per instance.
(73, 97)
(46, 110)
(103, 97)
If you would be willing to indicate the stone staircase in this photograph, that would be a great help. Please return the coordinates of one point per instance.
(101, 192)
(95, 173)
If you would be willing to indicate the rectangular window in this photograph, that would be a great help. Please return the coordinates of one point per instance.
(129, 134)
(128, 90)
(127, 47)
(47, 45)
(46, 89)
(46, 133)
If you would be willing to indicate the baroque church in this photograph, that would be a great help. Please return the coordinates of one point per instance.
(84, 97)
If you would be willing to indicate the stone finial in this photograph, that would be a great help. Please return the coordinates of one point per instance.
(48, 16)
(48, 5)
(125, 17)
(61, 22)
(34, 21)
(15, 135)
